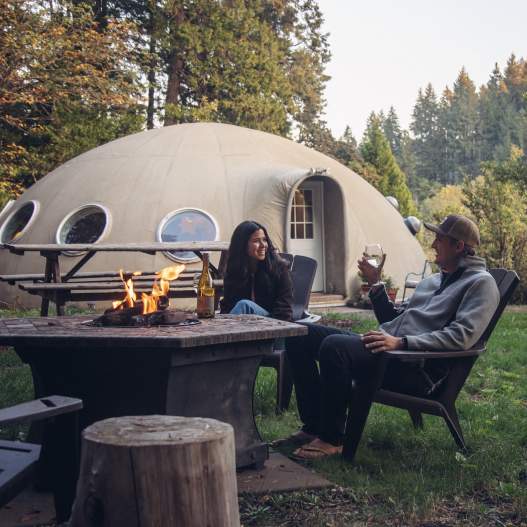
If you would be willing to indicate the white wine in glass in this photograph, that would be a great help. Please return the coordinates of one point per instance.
(374, 254)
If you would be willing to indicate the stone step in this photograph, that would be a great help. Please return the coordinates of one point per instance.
(321, 300)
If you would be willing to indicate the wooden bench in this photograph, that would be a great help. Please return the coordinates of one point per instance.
(101, 286)
(106, 285)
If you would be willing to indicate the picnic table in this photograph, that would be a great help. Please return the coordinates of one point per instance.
(61, 287)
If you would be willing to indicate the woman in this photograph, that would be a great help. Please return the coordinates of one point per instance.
(257, 280)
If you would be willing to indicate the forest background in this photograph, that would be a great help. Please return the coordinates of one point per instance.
(75, 74)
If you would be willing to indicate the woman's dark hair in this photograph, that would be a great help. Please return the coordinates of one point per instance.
(238, 260)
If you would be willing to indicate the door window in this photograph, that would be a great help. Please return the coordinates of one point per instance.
(302, 215)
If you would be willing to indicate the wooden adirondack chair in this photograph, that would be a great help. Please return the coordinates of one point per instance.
(18, 460)
(441, 403)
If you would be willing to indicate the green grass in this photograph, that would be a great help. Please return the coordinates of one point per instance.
(400, 476)
(406, 477)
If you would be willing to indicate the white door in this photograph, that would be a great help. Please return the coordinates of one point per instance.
(306, 227)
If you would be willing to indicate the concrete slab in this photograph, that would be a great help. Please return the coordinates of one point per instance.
(280, 474)
(29, 508)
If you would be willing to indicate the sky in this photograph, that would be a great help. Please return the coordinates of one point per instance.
(383, 51)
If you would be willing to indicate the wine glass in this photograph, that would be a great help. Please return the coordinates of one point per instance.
(374, 254)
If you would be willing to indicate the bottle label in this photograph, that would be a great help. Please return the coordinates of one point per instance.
(205, 307)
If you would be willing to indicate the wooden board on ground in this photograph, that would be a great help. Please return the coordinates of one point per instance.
(279, 474)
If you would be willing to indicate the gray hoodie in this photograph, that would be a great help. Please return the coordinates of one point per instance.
(445, 318)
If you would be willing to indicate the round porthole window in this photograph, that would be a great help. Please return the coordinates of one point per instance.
(85, 225)
(187, 225)
(18, 222)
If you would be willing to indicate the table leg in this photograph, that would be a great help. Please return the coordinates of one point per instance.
(44, 305)
(218, 382)
(55, 271)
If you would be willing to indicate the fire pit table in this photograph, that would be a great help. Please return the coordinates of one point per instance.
(202, 370)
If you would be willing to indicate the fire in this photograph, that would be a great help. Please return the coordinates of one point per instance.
(160, 288)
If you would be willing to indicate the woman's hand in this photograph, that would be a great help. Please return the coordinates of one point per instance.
(371, 273)
(377, 341)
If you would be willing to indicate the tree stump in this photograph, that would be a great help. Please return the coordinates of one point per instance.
(157, 470)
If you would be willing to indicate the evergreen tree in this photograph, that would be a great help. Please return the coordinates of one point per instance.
(256, 63)
(462, 131)
(515, 79)
(392, 132)
(318, 136)
(425, 128)
(346, 148)
(446, 140)
(500, 125)
(376, 151)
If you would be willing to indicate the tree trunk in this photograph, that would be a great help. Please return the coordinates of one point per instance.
(157, 471)
(151, 73)
(175, 69)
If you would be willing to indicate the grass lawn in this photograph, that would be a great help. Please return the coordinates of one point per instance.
(400, 476)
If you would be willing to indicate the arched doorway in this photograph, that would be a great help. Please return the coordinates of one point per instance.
(316, 229)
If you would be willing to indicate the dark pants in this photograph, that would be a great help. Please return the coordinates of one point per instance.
(323, 398)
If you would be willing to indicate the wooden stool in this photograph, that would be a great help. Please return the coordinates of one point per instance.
(157, 470)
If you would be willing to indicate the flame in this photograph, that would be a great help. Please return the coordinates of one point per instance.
(160, 288)
(171, 273)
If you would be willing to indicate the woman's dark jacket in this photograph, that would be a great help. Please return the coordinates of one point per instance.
(273, 293)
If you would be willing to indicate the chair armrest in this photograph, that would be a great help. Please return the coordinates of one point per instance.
(309, 318)
(418, 275)
(42, 408)
(421, 354)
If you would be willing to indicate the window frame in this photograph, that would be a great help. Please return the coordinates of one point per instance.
(173, 213)
(11, 215)
(106, 230)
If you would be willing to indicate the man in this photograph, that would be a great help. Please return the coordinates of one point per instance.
(448, 311)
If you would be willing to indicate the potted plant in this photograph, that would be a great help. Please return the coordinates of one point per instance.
(391, 290)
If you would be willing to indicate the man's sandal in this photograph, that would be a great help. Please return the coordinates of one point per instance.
(297, 439)
(317, 449)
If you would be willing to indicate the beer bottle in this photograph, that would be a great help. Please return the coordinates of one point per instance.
(205, 306)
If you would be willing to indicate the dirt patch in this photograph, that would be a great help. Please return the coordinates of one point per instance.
(342, 507)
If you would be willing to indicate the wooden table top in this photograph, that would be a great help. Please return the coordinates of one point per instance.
(74, 331)
(146, 247)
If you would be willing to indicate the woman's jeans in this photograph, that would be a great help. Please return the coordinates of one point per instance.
(248, 307)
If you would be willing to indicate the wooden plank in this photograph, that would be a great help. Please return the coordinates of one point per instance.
(222, 329)
(39, 409)
(95, 286)
(12, 278)
(17, 462)
(109, 295)
(49, 248)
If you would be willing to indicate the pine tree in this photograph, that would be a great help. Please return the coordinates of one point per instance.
(462, 128)
(425, 127)
(253, 63)
(376, 151)
(446, 140)
(346, 148)
(500, 126)
(392, 132)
